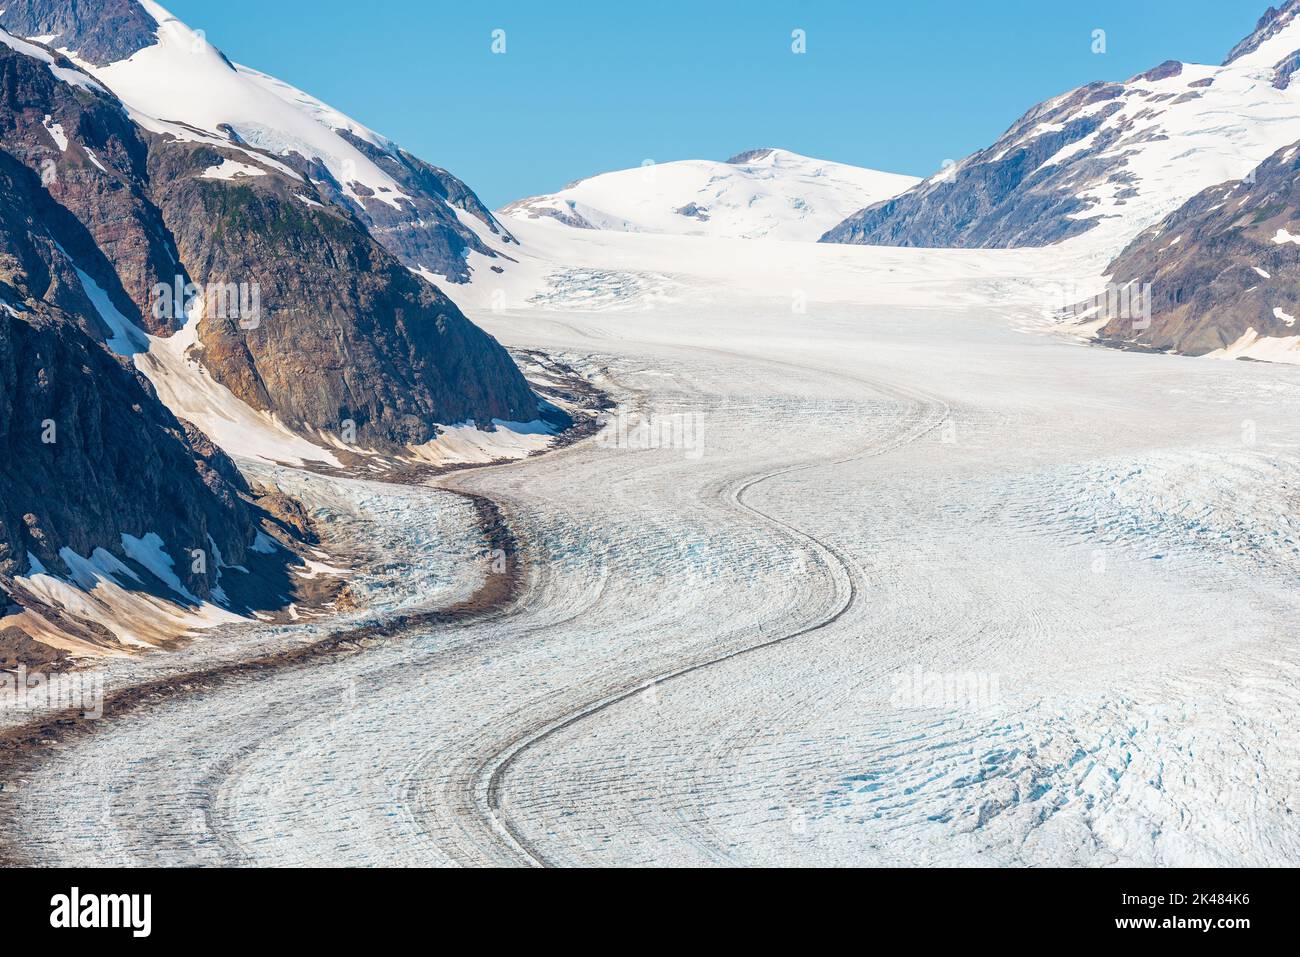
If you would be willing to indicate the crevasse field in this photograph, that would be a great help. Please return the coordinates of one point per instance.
(914, 579)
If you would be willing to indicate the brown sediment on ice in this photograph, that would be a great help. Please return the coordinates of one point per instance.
(23, 746)
(567, 389)
(40, 631)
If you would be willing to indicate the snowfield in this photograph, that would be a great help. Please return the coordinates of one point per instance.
(762, 194)
(184, 76)
(926, 589)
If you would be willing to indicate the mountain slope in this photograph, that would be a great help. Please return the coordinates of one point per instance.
(92, 160)
(99, 483)
(175, 83)
(101, 32)
(1224, 270)
(346, 332)
(765, 193)
(348, 342)
(1108, 159)
(121, 523)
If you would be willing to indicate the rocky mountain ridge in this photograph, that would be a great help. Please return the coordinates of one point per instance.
(1108, 159)
(153, 269)
(1223, 271)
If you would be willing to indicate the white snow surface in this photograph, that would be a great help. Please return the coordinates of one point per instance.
(1175, 137)
(56, 133)
(231, 169)
(703, 668)
(183, 79)
(74, 77)
(149, 552)
(1251, 345)
(101, 589)
(779, 195)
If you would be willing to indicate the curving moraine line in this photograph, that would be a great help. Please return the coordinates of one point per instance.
(490, 785)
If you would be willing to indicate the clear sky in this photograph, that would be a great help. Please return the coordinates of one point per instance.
(587, 86)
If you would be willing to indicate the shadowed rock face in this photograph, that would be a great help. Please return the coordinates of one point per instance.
(345, 332)
(97, 174)
(425, 232)
(1215, 267)
(87, 453)
(100, 31)
(422, 231)
(1001, 197)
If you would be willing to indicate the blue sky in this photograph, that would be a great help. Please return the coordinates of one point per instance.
(588, 86)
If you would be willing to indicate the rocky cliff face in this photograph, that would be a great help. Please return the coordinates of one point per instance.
(424, 232)
(87, 453)
(1108, 159)
(101, 32)
(163, 69)
(345, 333)
(1223, 270)
(347, 342)
(102, 206)
(92, 160)
(1008, 195)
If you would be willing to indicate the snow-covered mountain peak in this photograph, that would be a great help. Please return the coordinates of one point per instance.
(174, 83)
(753, 157)
(759, 194)
(1108, 159)
(1276, 37)
(184, 81)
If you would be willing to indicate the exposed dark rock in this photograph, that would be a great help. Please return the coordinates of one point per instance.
(99, 31)
(1273, 21)
(750, 156)
(346, 332)
(1214, 268)
(422, 232)
(16, 648)
(286, 512)
(349, 334)
(1285, 70)
(1016, 194)
(1003, 196)
(100, 179)
(693, 211)
(1163, 72)
(425, 232)
(569, 215)
(87, 453)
